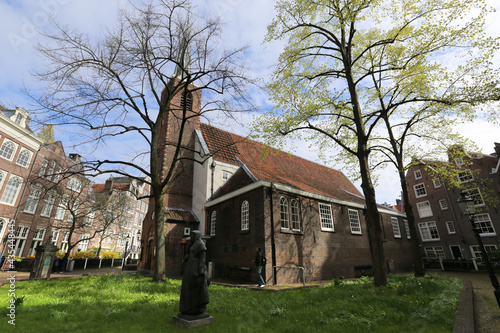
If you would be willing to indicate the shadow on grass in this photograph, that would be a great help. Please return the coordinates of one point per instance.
(128, 303)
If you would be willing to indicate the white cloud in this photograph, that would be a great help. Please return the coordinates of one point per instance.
(246, 23)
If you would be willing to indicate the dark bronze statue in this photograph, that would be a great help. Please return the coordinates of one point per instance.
(195, 280)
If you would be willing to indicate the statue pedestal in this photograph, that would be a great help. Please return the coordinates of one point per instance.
(189, 321)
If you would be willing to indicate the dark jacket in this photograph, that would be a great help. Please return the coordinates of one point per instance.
(258, 258)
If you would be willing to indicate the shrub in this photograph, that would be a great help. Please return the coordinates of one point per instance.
(110, 254)
(83, 255)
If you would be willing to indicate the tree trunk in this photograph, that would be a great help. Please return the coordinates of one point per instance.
(159, 267)
(417, 260)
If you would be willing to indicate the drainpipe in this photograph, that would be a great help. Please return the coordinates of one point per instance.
(212, 168)
(273, 245)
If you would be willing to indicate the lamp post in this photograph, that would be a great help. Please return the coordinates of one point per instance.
(467, 206)
(125, 252)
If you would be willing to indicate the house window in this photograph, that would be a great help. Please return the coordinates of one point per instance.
(64, 242)
(41, 173)
(354, 222)
(32, 201)
(245, 220)
(187, 101)
(11, 190)
(61, 208)
(428, 231)
(418, 174)
(465, 176)
(20, 240)
(295, 215)
(483, 223)
(284, 217)
(47, 205)
(424, 209)
(325, 212)
(24, 157)
(407, 228)
(443, 204)
(436, 182)
(226, 175)
(434, 252)
(2, 177)
(75, 185)
(475, 195)
(84, 242)
(54, 236)
(37, 240)
(141, 218)
(459, 161)
(213, 221)
(52, 168)
(451, 227)
(420, 190)
(89, 218)
(395, 227)
(476, 251)
(7, 150)
(57, 175)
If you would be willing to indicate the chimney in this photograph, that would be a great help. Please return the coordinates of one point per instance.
(75, 157)
(497, 149)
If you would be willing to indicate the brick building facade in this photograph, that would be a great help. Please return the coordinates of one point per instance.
(444, 231)
(300, 213)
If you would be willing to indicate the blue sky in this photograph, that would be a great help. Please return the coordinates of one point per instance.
(245, 23)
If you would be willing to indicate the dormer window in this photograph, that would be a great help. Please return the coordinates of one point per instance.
(19, 118)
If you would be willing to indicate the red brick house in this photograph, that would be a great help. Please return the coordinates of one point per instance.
(444, 232)
(306, 217)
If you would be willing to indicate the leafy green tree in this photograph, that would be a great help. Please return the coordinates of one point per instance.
(350, 69)
(47, 134)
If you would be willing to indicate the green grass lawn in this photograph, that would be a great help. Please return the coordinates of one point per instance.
(133, 303)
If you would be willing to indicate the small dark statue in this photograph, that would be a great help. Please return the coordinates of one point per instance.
(195, 281)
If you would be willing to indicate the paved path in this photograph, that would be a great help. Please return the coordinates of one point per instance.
(485, 305)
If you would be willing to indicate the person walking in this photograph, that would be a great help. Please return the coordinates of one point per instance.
(260, 262)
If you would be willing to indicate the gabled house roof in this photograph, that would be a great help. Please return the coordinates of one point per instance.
(275, 166)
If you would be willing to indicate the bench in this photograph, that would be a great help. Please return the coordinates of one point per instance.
(363, 270)
(239, 273)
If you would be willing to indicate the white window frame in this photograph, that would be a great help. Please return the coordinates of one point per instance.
(437, 182)
(475, 194)
(52, 168)
(424, 209)
(420, 190)
(89, 218)
(48, 205)
(20, 239)
(33, 198)
(74, 185)
(395, 227)
(451, 228)
(459, 161)
(295, 215)
(24, 158)
(64, 242)
(38, 237)
(443, 204)
(407, 228)
(213, 221)
(43, 168)
(10, 157)
(418, 174)
(476, 251)
(61, 208)
(483, 223)
(245, 215)
(284, 214)
(84, 244)
(465, 176)
(226, 175)
(326, 217)
(354, 221)
(54, 236)
(426, 231)
(10, 193)
(436, 251)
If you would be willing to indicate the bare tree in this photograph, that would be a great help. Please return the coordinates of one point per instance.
(121, 86)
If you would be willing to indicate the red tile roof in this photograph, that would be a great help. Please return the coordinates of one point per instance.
(179, 215)
(279, 167)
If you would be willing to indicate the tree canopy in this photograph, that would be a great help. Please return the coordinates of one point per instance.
(353, 71)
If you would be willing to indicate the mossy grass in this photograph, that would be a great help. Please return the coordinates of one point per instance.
(133, 303)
